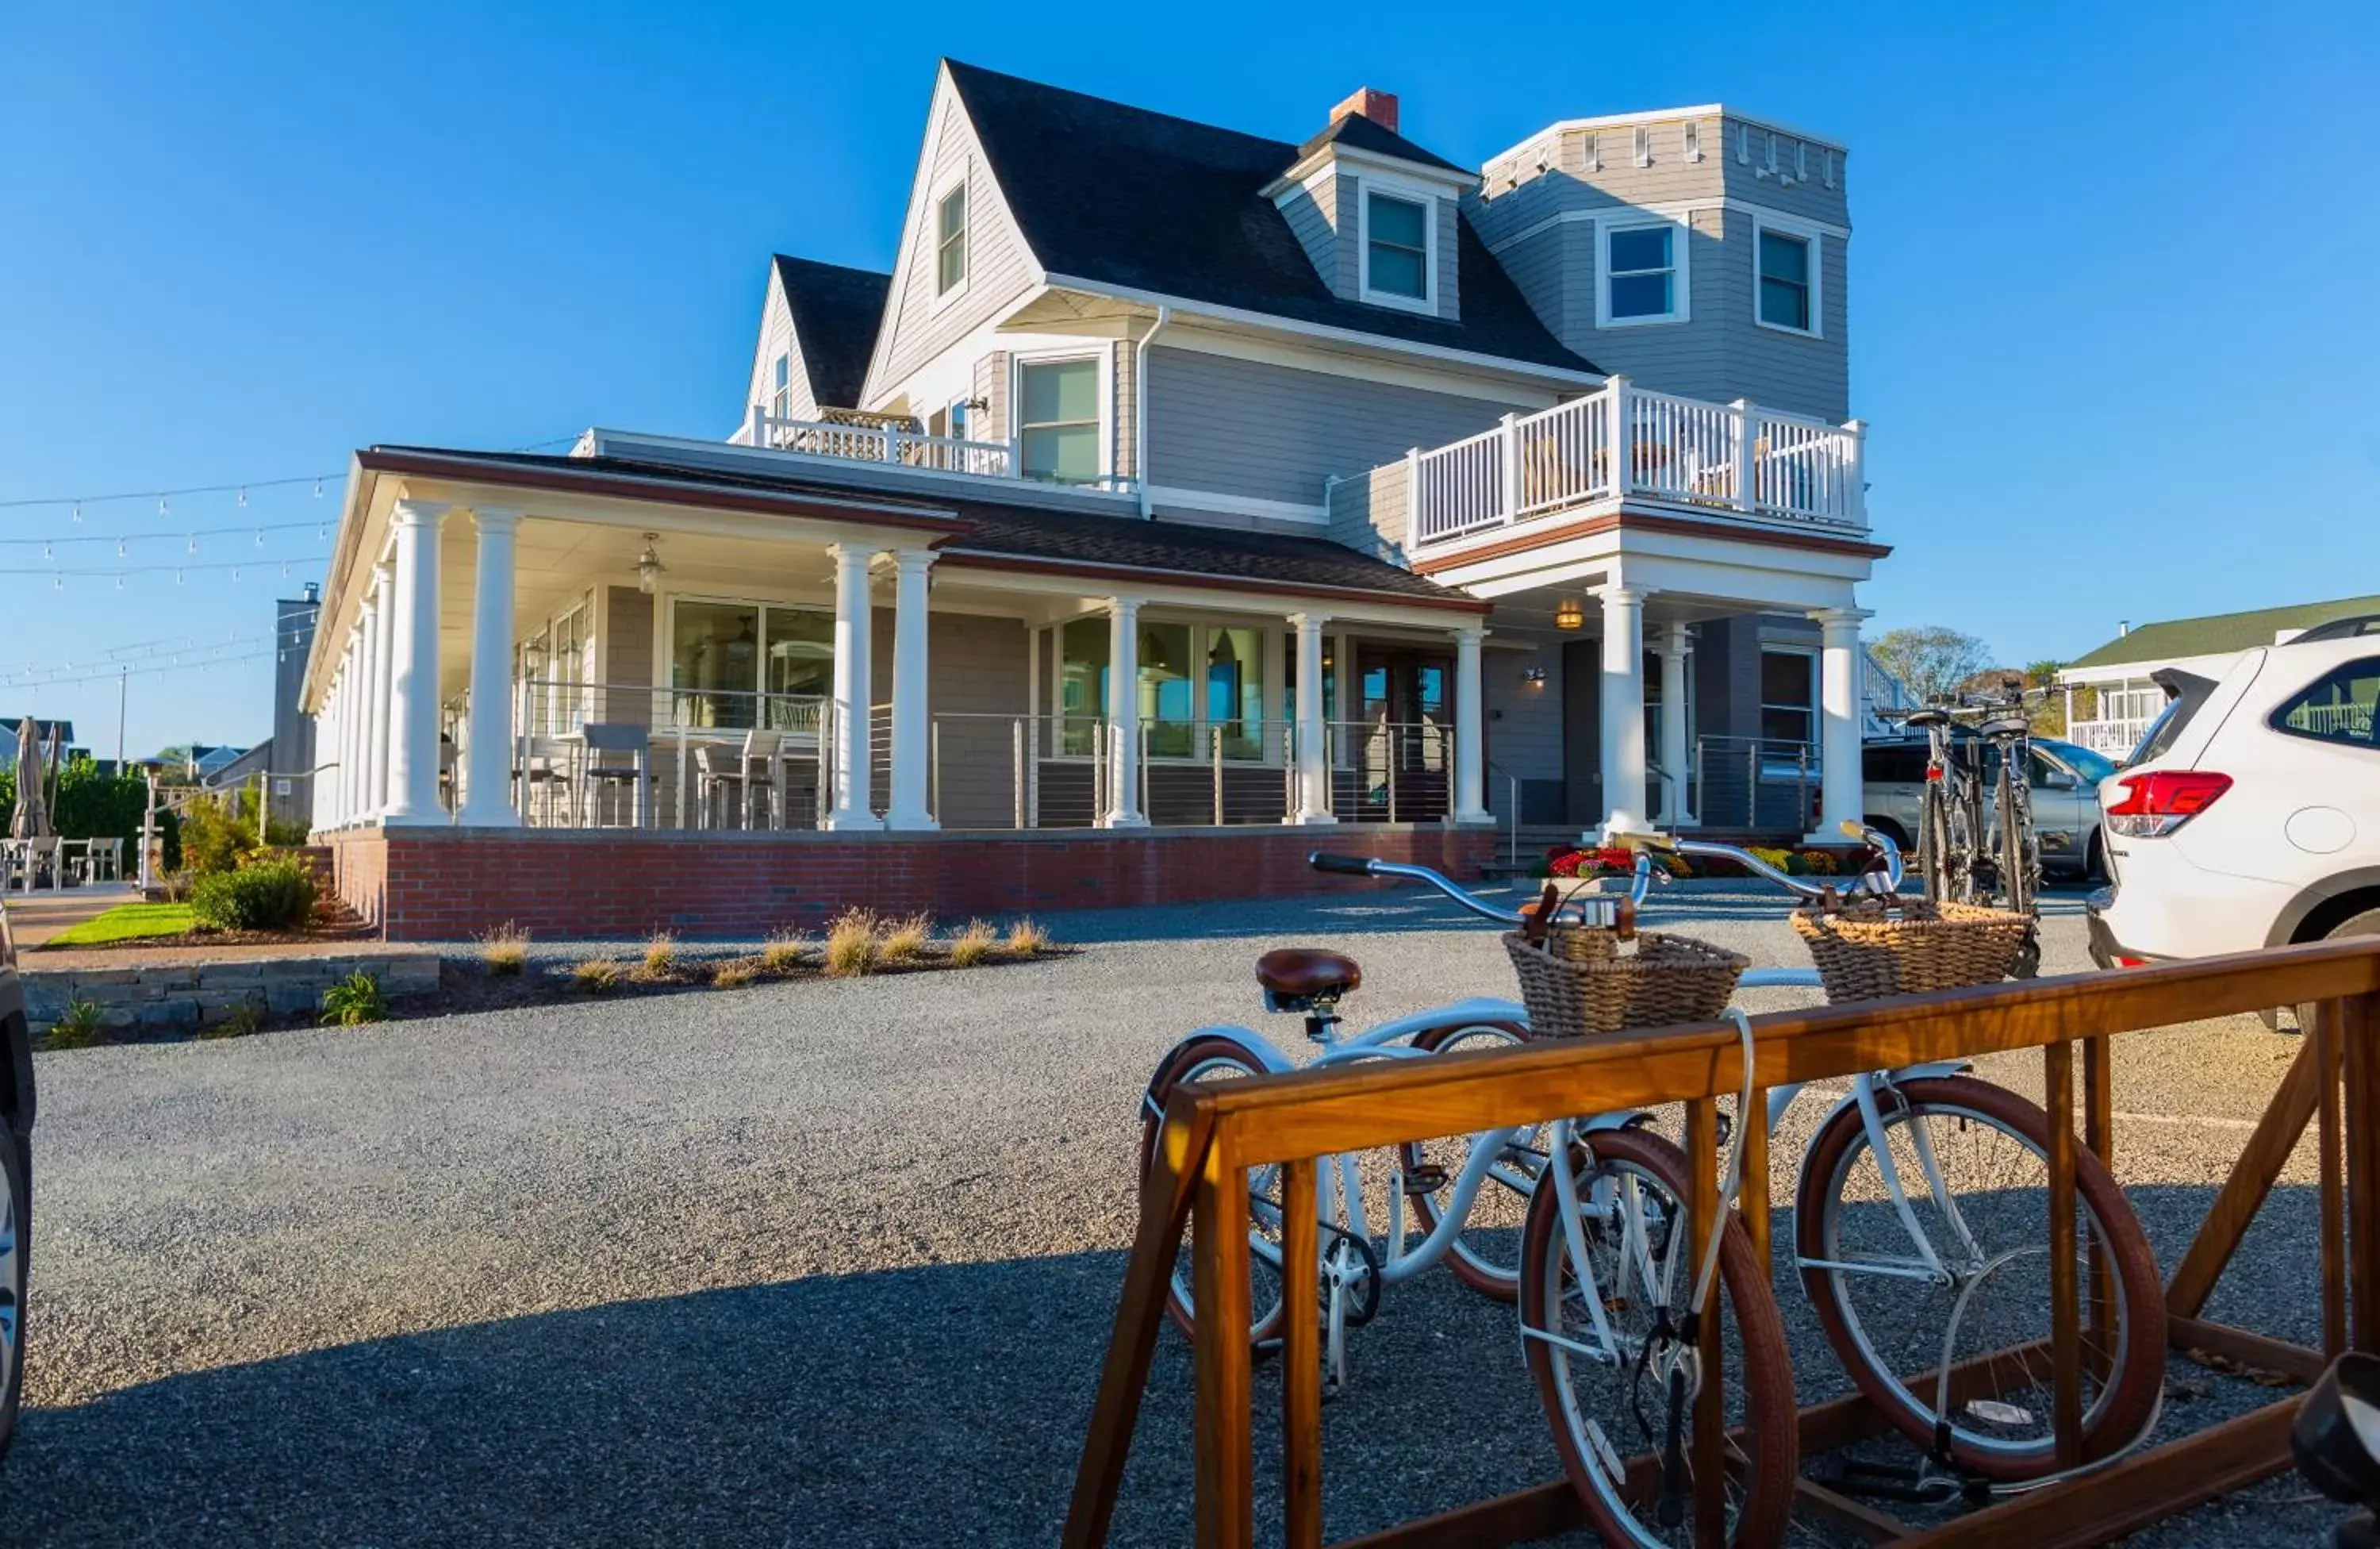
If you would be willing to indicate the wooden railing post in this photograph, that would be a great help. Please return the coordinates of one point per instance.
(1710, 1414)
(2065, 1324)
(1221, 1449)
(1301, 1370)
(1752, 1197)
(2326, 1035)
(2359, 1027)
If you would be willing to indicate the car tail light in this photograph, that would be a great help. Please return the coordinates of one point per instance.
(2158, 801)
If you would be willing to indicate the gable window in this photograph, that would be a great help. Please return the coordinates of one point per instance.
(781, 394)
(951, 241)
(1642, 275)
(1058, 419)
(1785, 281)
(1396, 246)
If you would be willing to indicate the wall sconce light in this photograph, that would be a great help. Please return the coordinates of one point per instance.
(649, 565)
(1568, 614)
(1533, 676)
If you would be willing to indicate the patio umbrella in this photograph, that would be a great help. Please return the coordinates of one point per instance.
(58, 774)
(30, 821)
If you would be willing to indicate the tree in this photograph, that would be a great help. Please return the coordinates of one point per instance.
(1930, 659)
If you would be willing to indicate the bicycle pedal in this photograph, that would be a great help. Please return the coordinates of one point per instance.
(1428, 1178)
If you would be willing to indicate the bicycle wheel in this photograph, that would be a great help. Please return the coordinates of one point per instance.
(1892, 1328)
(1609, 1402)
(1486, 1254)
(1211, 1059)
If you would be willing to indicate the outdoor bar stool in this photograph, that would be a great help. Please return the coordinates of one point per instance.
(598, 775)
(544, 775)
(739, 777)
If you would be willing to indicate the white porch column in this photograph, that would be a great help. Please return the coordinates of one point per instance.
(331, 747)
(487, 779)
(358, 729)
(1470, 729)
(854, 679)
(1123, 716)
(413, 652)
(372, 624)
(1843, 789)
(1677, 650)
(913, 727)
(383, 666)
(1313, 738)
(1622, 710)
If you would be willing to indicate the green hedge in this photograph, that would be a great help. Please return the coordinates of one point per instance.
(275, 894)
(96, 806)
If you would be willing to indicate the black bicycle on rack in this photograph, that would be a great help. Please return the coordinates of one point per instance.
(1974, 847)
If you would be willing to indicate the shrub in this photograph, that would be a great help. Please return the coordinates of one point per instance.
(1026, 938)
(504, 949)
(216, 839)
(782, 953)
(82, 1027)
(735, 973)
(660, 956)
(973, 944)
(176, 887)
(903, 940)
(354, 1001)
(851, 944)
(597, 976)
(272, 894)
(1818, 863)
(240, 1022)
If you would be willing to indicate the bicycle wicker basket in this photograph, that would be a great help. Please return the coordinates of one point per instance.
(1577, 987)
(1869, 948)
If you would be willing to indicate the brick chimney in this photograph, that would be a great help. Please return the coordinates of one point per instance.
(1381, 107)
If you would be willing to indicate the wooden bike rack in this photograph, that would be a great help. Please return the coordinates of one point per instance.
(1212, 1137)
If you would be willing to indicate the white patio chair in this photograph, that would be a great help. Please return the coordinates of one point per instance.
(737, 778)
(602, 741)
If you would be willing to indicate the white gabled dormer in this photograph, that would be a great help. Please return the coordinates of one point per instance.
(1376, 214)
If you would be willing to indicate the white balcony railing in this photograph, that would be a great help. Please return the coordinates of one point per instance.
(2116, 738)
(1626, 443)
(886, 444)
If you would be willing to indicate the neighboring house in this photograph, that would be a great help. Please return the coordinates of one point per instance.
(289, 793)
(11, 729)
(1212, 481)
(2113, 684)
(205, 764)
(241, 768)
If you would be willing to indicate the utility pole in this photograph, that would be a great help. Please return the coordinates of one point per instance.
(123, 682)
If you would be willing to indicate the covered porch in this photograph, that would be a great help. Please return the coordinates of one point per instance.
(576, 652)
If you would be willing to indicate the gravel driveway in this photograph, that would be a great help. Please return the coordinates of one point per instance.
(825, 1262)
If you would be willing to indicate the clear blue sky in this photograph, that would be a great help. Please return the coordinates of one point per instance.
(2113, 307)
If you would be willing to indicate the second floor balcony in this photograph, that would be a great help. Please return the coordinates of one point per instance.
(1626, 444)
(896, 441)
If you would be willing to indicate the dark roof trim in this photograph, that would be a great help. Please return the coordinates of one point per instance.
(837, 311)
(432, 465)
(1359, 133)
(957, 553)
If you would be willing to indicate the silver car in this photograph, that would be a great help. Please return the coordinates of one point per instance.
(2065, 797)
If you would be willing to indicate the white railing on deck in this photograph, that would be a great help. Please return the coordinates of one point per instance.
(1627, 443)
(885, 443)
(2115, 737)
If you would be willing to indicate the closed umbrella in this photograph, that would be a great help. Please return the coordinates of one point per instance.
(57, 773)
(30, 821)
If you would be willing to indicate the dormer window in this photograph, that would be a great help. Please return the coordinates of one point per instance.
(951, 241)
(1396, 257)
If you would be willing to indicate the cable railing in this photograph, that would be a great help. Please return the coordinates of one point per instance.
(1754, 782)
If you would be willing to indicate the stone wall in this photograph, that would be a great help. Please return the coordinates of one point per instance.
(178, 997)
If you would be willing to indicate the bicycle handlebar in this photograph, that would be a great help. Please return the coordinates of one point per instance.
(1360, 866)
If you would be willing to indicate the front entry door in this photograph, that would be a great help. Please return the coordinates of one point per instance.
(1403, 753)
(1583, 733)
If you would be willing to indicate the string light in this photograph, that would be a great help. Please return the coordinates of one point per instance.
(77, 513)
(164, 507)
(194, 543)
(243, 497)
(46, 553)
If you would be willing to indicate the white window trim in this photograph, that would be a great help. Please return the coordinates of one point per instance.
(1817, 701)
(1105, 358)
(1368, 184)
(934, 240)
(1680, 287)
(1803, 231)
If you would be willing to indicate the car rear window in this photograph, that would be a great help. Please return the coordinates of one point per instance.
(1895, 764)
(2336, 707)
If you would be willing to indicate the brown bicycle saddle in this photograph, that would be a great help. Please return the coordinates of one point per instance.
(1308, 973)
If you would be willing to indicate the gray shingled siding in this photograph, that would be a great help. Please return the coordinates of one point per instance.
(628, 647)
(991, 386)
(1524, 723)
(1721, 353)
(1450, 272)
(1252, 429)
(999, 266)
(1309, 218)
(1126, 452)
(1368, 512)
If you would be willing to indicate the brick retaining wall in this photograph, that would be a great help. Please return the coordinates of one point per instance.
(449, 884)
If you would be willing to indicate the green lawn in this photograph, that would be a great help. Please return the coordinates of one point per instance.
(128, 923)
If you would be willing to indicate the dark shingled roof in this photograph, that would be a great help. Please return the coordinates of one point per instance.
(1360, 133)
(835, 314)
(1120, 196)
(1036, 532)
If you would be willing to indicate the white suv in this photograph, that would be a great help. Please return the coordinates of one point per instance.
(2250, 815)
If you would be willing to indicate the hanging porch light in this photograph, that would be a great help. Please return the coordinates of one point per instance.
(1568, 614)
(649, 565)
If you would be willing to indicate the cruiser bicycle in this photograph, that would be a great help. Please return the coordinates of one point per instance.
(1920, 1233)
(1972, 852)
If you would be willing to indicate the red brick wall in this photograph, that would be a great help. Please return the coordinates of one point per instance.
(448, 884)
